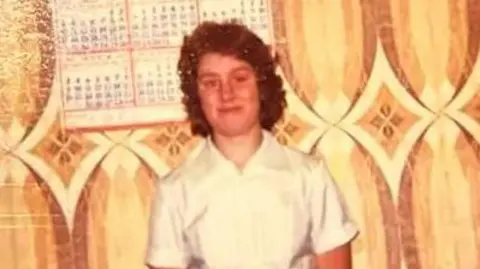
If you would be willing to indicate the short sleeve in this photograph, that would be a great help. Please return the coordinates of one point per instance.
(166, 246)
(331, 224)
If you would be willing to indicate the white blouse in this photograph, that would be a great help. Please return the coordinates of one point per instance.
(282, 208)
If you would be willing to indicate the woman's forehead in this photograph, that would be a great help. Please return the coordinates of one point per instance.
(220, 63)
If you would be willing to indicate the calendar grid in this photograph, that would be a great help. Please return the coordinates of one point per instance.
(117, 58)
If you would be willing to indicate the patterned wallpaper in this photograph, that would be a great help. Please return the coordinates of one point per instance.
(386, 90)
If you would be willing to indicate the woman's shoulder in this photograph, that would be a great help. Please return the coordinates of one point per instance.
(303, 160)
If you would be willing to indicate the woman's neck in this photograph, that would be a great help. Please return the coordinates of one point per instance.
(239, 148)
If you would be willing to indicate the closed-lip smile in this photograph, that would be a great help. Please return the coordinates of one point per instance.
(229, 109)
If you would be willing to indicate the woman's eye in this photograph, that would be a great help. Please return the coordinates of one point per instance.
(210, 83)
(242, 77)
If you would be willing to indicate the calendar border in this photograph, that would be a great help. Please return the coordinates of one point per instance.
(177, 114)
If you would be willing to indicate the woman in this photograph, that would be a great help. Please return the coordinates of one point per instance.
(244, 201)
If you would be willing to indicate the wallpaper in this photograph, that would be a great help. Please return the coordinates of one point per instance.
(386, 90)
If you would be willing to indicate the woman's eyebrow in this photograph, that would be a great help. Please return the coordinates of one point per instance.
(242, 68)
(203, 74)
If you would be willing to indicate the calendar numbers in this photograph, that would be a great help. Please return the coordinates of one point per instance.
(156, 77)
(257, 18)
(216, 10)
(81, 30)
(252, 13)
(162, 24)
(106, 85)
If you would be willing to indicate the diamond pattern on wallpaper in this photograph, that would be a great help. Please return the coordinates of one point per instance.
(291, 129)
(299, 120)
(387, 121)
(171, 142)
(63, 150)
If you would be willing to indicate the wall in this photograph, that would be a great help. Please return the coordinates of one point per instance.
(387, 90)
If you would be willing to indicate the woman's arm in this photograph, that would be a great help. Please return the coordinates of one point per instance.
(338, 258)
(166, 248)
(332, 226)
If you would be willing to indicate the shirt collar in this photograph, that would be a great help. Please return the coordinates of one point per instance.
(269, 156)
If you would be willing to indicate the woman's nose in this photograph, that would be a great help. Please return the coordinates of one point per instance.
(227, 91)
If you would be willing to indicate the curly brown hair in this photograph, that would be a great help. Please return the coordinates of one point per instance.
(232, 39)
